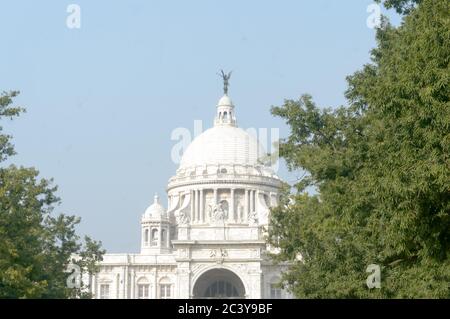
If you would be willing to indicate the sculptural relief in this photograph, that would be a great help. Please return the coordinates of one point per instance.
(253, 218)
(240, 212)
(182, 218)
(220, 253)
(218, 212)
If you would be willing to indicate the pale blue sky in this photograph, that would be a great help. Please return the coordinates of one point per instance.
(103, 100)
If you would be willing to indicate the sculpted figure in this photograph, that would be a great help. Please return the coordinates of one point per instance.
(182, 218)
(253, 218)
(226, 83)
(218, 213)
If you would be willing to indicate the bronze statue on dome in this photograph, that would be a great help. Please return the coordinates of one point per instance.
(226, 78)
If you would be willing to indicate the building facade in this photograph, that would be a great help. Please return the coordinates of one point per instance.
(210, 241)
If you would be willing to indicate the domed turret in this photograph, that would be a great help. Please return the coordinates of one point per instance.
(155, 229)
(155, 210)
(225, 112)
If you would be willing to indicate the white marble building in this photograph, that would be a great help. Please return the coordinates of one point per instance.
(209, 242)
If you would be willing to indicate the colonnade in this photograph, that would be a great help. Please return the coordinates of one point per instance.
(238, 212)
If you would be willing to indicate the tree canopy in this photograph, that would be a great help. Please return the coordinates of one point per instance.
(401, 6)
(381, 169)
(36, 245)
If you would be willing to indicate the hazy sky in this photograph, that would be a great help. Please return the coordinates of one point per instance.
(103, 100)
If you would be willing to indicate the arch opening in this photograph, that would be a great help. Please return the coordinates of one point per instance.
(219, 283)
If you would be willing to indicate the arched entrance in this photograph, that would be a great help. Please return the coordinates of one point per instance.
(219, 283)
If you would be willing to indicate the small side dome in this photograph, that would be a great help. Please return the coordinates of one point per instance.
(155, 210)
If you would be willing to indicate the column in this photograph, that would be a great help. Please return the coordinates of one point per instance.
(244, 218)
(215, 195)
(117, 286)
(133, 281)
(202, 208)
(159, 235)
(125, 281)
(195, 205)
(197, 208)
(231, 208)
(155, 283)
(192, 206)
(93, 286)
(136, 288)
(252, 201)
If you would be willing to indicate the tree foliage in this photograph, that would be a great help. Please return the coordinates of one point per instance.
(35, 245)
(381, 170)
(401, 6)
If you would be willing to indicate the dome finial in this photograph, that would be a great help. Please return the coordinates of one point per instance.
(226, 78)
(156, 198)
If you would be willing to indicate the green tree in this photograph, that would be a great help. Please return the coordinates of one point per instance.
(381, 170)
(401, 6)
(35, 245)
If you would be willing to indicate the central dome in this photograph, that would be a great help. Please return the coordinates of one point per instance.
(223, 145)
(224, 152)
